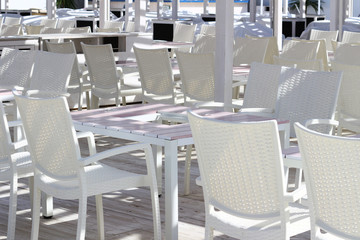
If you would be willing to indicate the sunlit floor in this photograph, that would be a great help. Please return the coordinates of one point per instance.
(127, 213)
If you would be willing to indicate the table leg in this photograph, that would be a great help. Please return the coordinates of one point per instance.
(157, 152)
(171, 191)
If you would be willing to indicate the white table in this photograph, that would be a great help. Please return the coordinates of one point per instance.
(131, 123)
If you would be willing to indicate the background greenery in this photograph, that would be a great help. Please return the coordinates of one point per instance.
(65, 4)
(312, 3)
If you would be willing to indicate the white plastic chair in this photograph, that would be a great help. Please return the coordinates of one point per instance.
(51, 23)
(331, 170)
(316, 64)
(12, 20)
(350, 37)
(14, 164)
(248, 50)
(106, 80)
(114, 24)
(271, 50)
(243, 181)
(348, 54)
(11, 30)
(348, 112)
(207, 29)
(49, 76)
(15, 68)
(60, 171)
(204, 44)
(183, 33)
(156, 76)
(78, 30)
(65, 24)
(327, 35)
(108, 30)
(130, 26)
(78, 83)
(197, 77)
(31, 30)
(47, 30)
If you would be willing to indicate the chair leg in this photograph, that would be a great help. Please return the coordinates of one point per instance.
(100, 217)
(157, 154)
(94, 102)
(47, 205)
(31, 191)
(187, 169)
(88, 104)
(81, 226)
(123, 100)
(80, 101)
(155, 210)
(12, 208)
(35, 214)
(209, 232)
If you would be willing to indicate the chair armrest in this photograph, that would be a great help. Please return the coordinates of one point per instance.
(215, 105)
(262, 112)
(90, 140)
(16, 123)
(296, 194)
(112, 152)
(173, 117)
(20, 144)
(37, 93)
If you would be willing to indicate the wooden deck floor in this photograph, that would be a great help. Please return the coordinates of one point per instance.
(127, 213)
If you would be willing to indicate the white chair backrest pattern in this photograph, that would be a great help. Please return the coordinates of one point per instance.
(204, 44)
(11, 30)
(327, 35)
(350, 37)
(47, 30)
(108, 30)
(12, 21)
(79, 30)
(207, 29)
(316, 64)
(101, 64)
(300, 50)
(31, 30)
(348, 54)
(271, 50)
(349, 96)
(49, 75)
(51, 23)
(197, 76)
(67, 48)
(248, 50)
(6, 147)
(15, 68)
(228, 155)
(304, 95)
(113, 24)
(65, 24)
(184, 32)
(262, 86)
(155, 72)
(130, 27)
(331, 166)
(52, 115)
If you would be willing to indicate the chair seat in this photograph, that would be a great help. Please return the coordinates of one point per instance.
(23, 166)
(98, 177)
(261, 229)
(112, 92)
(152, 98)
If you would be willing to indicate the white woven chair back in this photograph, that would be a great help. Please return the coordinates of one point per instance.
(16, 68)
(78, 30)
(5, 137)
(11, 30)
(130, 26)
(348, 54)
(204, 44)
(184, 32)
(327, 35)
(315, 65)
(207, 29)
(65, 24)
(12, 21)
(304, 95)
(241, 173)
(113, 24)
(247, 50)
(31, 30)
(331, 166)
(51, 23)
(47, 30)
(109, 30)
(49, 120)
(271, 50)
(197, 76)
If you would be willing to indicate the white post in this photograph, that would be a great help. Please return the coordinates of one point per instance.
(252, 10)
(175, 6)
(286, 7)
(6, 5)
(205, 6)
(278, 22)
(319, 9)
(140, 12)
(104, 12)
(50, 8)
(160, 4)
(334, 15)
(224, 50)
(261, 7)
(302, 8)
(86, 4)
(95, 4)
(350, 8)
(127, 11)
(342, 16)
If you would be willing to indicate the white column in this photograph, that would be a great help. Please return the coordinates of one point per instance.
(160, 4)
(95, 5)
(286, 7)
(319, 9)
(175, 6)
(334, 15)
(261, 7)
(350, 8)
(342, 16)
(140, 12)
(127, 11)
(205, 6)
(278, 22)
(50, 8)
(6, 5)
(224, 50)
(86, 4)
(302, 8)
(252, 10)
(104, 12)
